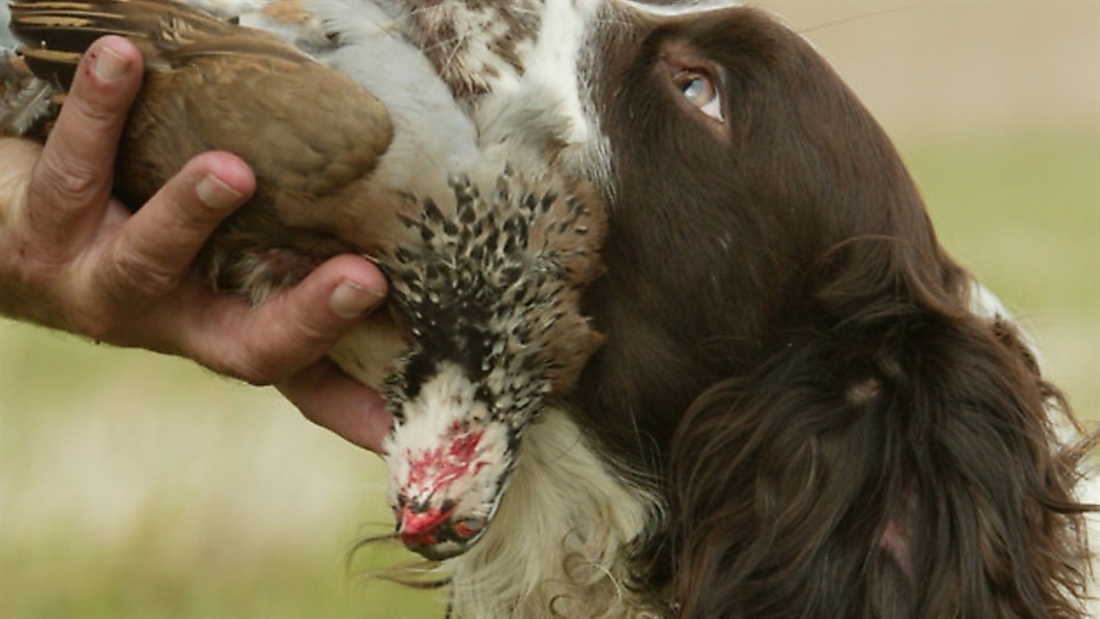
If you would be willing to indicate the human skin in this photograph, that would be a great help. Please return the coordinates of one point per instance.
(72, 257)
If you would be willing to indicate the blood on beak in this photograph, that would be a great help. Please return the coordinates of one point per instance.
(418, 528)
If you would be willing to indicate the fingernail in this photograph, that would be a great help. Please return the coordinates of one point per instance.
(350, 300)
(109, 65)
(216, 194)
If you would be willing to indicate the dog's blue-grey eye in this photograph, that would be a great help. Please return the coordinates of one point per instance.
(699, 89)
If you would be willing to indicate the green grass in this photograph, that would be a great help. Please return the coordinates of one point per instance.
(1022, 212)
(135, 485)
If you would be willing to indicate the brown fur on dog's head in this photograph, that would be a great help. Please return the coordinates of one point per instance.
(794, 356)
(803, 407)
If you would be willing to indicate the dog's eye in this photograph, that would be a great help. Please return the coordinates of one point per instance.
(699, 89)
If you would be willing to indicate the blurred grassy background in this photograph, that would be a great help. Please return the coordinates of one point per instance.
(134, 485)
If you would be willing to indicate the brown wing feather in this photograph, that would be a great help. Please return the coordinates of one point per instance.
(56, 33)
(312, 135)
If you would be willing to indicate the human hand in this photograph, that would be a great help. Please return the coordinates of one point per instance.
(72, 257)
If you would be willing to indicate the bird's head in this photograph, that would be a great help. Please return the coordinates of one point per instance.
(487, 283)
(449, 462)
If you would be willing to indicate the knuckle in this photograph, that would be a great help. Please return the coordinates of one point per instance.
(101, 108)
(257, 363)
(70, 186)
(257, 369)
(98, 104)
(136, 277)
(270, 344)
(277, 356)
(312, 333)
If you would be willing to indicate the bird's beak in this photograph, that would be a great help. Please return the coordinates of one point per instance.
(420, 528)
(432, 534)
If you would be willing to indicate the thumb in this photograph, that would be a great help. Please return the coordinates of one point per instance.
(295, 328)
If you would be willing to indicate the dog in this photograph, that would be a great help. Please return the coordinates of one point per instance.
(803, 406)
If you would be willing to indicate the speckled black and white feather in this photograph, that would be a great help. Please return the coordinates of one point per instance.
(485, 290)
(489, 294)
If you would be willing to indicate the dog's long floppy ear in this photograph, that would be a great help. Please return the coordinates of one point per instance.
(893, 458)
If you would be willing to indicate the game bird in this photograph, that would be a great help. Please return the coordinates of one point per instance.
(487, 243)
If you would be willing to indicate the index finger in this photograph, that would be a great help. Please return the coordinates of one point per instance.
(73, 178)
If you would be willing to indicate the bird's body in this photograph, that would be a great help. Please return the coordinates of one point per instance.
(487, 243)
(208, 82)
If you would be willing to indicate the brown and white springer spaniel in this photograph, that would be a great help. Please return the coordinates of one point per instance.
(803, 407)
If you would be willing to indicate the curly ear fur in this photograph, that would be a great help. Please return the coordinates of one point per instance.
(895, 461)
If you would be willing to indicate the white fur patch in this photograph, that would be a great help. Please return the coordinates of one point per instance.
(554, 77)
(551, 64)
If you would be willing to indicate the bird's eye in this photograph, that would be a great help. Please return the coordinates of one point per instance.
(699, 89)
